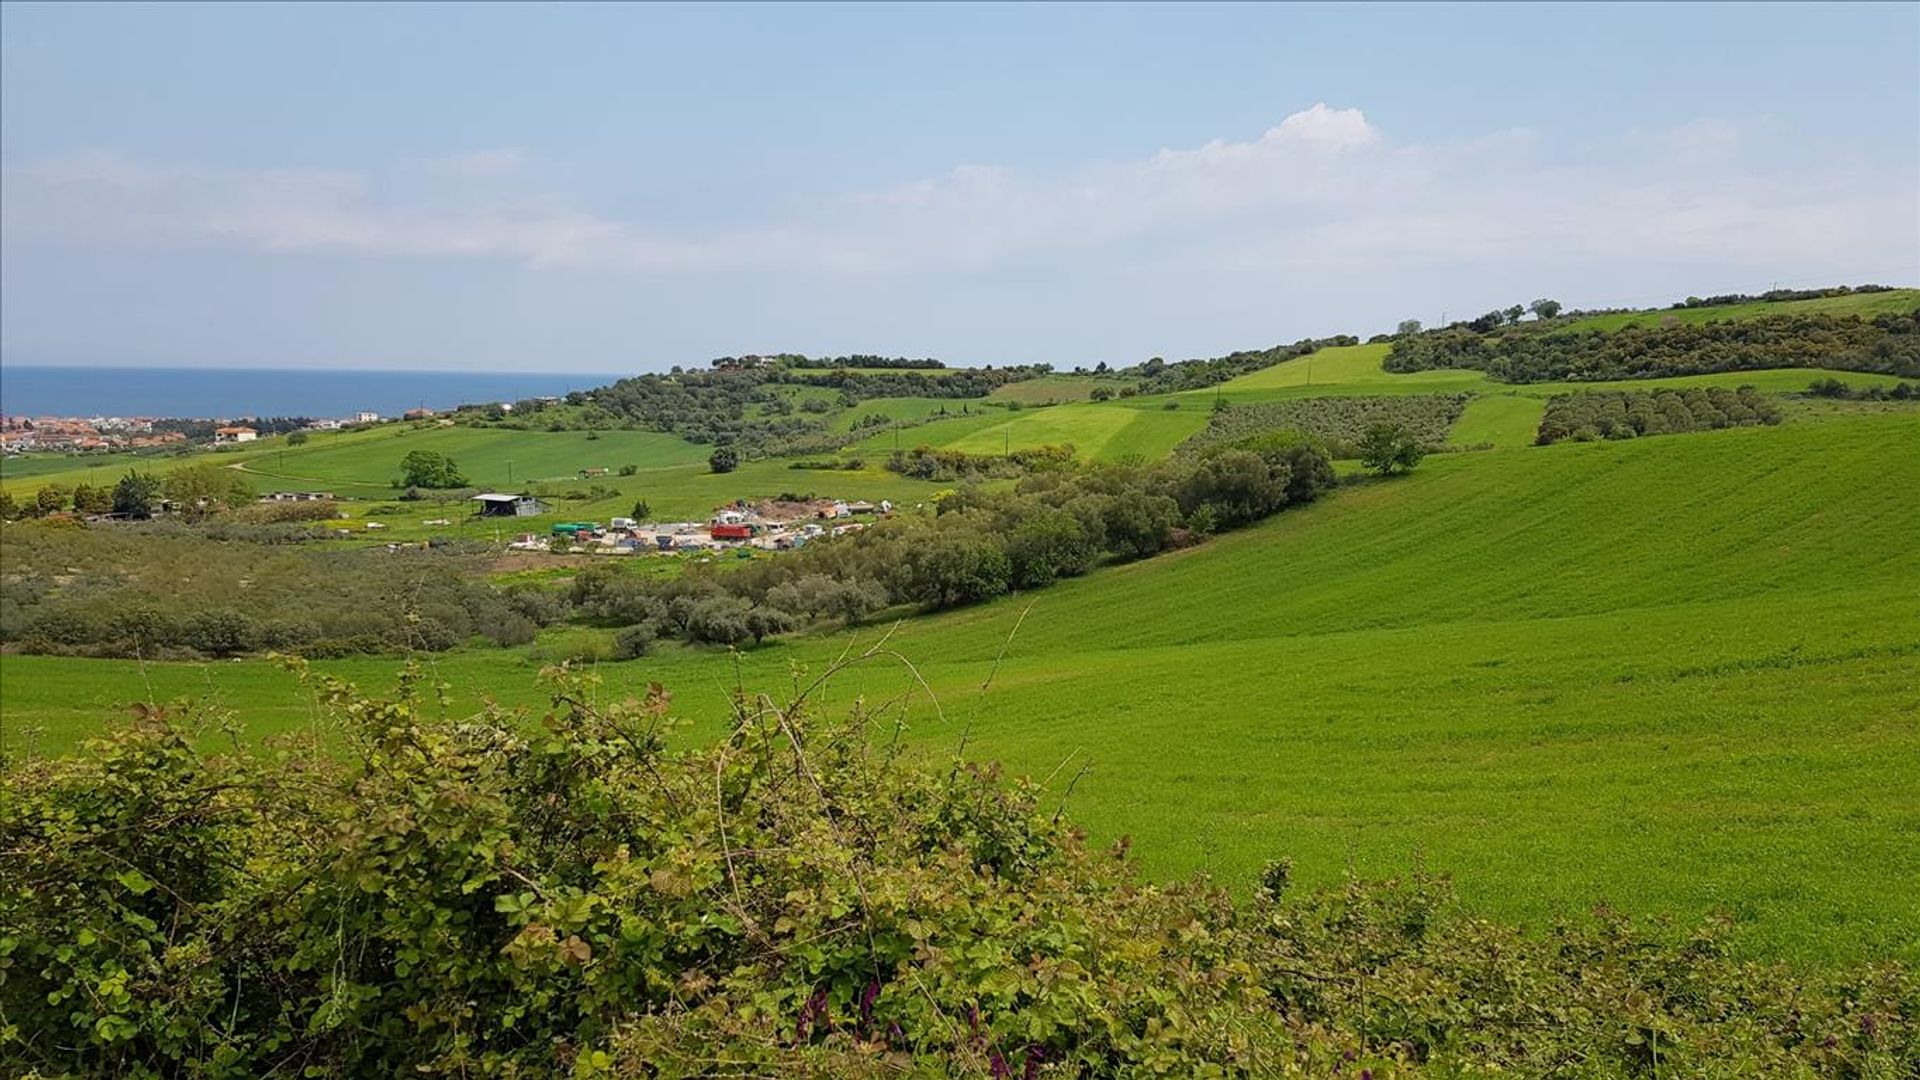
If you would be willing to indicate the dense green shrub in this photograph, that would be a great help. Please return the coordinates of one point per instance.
(1541, 352)
(488, 896)
(429, 469)
(1390, 448)
(1625, 414)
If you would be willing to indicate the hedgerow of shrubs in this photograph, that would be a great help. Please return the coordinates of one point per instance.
(1834, 388)
(1626, 414)
(1535, 352)
(1338, 423)
(581, 894)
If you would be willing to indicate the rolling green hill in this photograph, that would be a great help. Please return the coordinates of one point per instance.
(1677, 675)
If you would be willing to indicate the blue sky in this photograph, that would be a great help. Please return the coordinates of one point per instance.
(625, 188)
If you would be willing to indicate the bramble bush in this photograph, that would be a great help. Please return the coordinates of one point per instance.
(587, 894)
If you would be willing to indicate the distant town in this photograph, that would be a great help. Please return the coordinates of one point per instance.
(105, 434)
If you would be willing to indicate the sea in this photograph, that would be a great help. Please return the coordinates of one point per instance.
(220, 393)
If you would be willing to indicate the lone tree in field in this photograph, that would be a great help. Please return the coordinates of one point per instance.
(724, 459)
(430, 469)
(200, 491)
(133, 496)
(1391, 448)
(1544, 309)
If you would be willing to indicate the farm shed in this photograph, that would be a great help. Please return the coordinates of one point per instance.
(505, 505)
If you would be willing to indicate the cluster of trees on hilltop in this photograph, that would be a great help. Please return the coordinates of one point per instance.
(1054, 523)
(1544, 310)
(1888, 344)
(1157, 376)
(162, 591)
(857, 360)
(1340, 424)
(1626, 414)
(802, 897)
(714, 406)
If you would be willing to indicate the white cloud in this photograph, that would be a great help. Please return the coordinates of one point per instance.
(1328, 127)
(1323, 188)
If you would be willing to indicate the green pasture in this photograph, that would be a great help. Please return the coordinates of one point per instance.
(908, 408)
(1060, 389)
(1500, 419)
(1678, 675)
(1100, 432)
(1355, 370)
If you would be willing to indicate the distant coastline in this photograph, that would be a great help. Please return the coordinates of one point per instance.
(32, 390)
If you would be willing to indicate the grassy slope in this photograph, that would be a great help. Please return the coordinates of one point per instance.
(1106, 431)
(1500, 419)
(1355, 370)
(1865, 305)
(487, 456)
(901, 408)
(1049, 389)
(1677, 675)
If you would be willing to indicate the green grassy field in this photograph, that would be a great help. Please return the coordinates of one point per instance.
(903, 408)
(1499, 419)
(491, 457)
(1677, 675)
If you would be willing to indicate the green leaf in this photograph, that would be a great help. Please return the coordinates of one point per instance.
(136, 882)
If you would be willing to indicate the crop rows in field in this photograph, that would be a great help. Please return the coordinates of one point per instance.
(1626, 414)
(1338, 422)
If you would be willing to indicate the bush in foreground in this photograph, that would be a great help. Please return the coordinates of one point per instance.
(490, 896)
